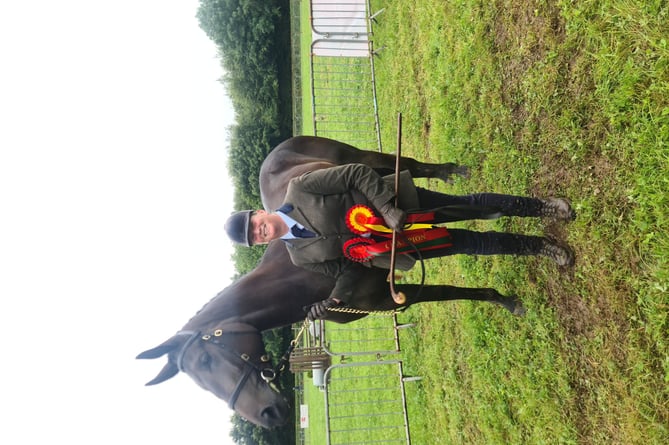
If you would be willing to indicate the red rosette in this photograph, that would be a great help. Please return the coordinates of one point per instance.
(356, 218)
(355, 249)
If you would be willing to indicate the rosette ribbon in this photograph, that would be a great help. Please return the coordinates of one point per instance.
(419, 234)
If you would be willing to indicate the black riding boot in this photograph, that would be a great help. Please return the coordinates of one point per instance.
(496, 205)
(498, 243)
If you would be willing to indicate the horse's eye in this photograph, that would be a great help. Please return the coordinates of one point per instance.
(205, 360)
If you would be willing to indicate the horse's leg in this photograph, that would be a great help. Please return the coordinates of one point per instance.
(445, 171)
(418, 294)
(386, 163)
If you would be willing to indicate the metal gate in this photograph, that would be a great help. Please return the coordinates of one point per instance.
(366, 337)
(343, 83)
(340, 17)
(365, 403)
(365, 399)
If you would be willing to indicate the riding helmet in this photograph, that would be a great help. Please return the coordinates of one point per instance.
(238, 227)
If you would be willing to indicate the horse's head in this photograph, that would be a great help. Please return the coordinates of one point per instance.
(231, 362)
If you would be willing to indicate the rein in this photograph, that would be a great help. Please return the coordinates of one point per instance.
(352, 310)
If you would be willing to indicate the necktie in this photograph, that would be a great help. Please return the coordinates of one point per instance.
(301, 233)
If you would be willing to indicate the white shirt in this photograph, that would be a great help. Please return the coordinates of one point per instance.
(290, 222)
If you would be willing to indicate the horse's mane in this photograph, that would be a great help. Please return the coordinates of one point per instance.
(227, 298)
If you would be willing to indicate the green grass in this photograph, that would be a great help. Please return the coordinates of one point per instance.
(546, 99)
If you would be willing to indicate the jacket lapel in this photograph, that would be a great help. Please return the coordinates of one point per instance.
(298, 216)
(286, 208)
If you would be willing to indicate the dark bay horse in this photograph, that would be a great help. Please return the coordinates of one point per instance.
(221, 347)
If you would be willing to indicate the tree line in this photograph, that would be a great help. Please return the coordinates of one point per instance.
(253, 41)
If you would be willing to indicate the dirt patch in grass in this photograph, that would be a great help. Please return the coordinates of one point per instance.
(525, 34)
(528, 33)
(592, 301)
(591, 306)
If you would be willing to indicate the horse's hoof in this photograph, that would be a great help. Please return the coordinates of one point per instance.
(519, 310)
(449, 170)
(513, 305)
(463, 171)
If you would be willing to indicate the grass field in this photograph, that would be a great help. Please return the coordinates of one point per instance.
(541, 98)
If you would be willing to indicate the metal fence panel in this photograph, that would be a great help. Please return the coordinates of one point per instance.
(339, 17)
(371, 336)
(344, 102)
(365, 404)
(364, 400)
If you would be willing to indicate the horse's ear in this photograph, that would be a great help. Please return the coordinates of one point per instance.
(168, 371)
(160, 350)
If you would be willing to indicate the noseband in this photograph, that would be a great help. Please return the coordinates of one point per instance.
(267, 374)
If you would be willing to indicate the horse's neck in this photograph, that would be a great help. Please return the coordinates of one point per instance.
(263, 298)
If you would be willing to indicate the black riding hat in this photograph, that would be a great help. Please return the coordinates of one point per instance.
(238, 227)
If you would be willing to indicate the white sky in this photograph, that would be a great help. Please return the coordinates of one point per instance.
(113, 193)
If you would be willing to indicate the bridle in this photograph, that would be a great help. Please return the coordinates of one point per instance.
(267, 373)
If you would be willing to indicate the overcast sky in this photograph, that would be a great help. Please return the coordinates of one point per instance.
(113, 193)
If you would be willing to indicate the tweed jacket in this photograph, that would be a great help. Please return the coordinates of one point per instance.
(319, 200)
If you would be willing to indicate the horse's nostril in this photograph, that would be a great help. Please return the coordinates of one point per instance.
(275, 415)
(268, 413)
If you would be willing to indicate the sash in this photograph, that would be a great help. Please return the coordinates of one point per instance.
(418, 235)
